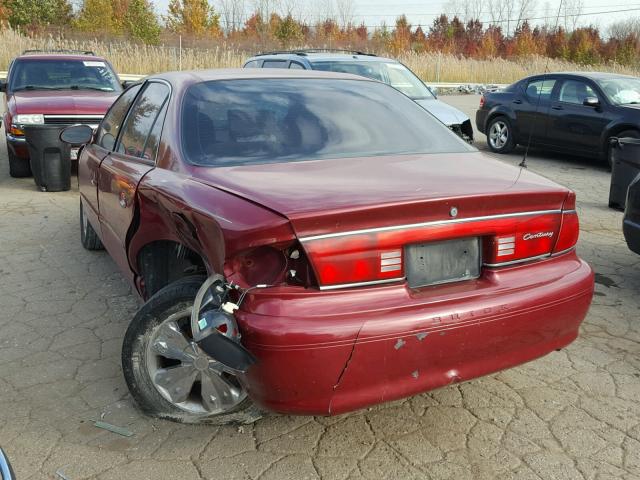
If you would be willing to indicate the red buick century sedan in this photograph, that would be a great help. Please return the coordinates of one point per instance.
(315, 243)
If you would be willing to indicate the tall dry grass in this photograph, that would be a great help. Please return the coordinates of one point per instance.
(143, 59)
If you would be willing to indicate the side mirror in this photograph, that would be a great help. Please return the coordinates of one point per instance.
(591, 102)
(434, 91)
(77, 134)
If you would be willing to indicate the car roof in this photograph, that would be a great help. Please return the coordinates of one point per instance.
(589, 75)
(60, 56)
(323, 56)
(197, 76)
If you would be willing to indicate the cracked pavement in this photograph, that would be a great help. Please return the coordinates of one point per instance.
(574, 414)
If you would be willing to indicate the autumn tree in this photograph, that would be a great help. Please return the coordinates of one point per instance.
(96, 16)
(193, 17)
(287, 30)
(140, 22)
(25, 13)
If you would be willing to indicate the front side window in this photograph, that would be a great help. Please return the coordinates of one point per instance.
(141, 120)
(574, 91)
(540, 89)
(392, 73)
(58, 74)
(621, 90)
(235, 122)
(110, 125)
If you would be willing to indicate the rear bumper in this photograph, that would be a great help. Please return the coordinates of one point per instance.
(481, 120)
(333, 352)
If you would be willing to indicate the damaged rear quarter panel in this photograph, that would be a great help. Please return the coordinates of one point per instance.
(212, 223)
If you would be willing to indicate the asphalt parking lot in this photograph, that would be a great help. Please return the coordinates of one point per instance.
(574, 414)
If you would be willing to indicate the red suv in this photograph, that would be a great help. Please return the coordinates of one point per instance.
(60, 88)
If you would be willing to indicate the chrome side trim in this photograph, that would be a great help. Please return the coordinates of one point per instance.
(362, 284)
(569, 211)
(73, 115)
(563, 252)
(14, 139)
(515, 262)
(429, 224)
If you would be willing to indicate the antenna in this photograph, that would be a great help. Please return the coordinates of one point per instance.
(523, 163)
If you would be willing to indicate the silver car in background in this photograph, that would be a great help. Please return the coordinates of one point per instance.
(386, 70)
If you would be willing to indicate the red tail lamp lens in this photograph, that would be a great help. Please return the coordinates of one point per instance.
(481, 101)
(529, 238)
(354, 259)
(569, 232)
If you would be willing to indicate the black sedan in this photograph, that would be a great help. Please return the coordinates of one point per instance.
(631, 222)
(575, 113)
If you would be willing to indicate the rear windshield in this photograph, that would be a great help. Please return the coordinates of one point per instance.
(58, 74)
(236, 122)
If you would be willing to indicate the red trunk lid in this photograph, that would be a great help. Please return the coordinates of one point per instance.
(338, 195)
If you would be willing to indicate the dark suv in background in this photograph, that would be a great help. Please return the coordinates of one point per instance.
(369, 65)
(59, 88)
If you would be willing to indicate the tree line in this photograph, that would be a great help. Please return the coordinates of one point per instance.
(265, 24)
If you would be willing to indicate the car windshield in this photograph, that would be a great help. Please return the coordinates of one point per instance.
(392, 73)
(235, 122)
(621, 90)
(59, 74)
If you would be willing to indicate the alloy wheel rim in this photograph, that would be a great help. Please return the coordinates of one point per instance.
(499, 135)
(184, 374)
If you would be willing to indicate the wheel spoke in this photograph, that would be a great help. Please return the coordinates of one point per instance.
(218, 393)
(176, 381)
(171, 343)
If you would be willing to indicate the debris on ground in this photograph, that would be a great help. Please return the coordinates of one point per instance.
(114, 428)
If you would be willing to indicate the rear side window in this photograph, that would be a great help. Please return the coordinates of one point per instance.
(110, 125)
(252, 64)
(540, 88)
(141, 120)
(274, 64)
(236, 122)
(296, 66)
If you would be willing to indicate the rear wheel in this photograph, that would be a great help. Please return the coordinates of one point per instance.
(500, 135)
(88, 235)
(169, 375)
(623, 134)
(18, 167)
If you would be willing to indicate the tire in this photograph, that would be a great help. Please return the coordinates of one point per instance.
(500, 143)
(158, 335)
(623, 134)
(88, 235)
(18, 167)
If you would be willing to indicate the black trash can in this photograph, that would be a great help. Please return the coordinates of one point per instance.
(625, 160)
(50, 158)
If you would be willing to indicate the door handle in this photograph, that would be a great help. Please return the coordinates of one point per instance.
(518, 101)
(558, 107)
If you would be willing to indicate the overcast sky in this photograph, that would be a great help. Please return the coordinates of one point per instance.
(374, 12)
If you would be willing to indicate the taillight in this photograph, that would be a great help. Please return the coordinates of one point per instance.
(528, 238)
(481, 101)
(354, 259)
(570, 227)
(535, 237)
(270, 265)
